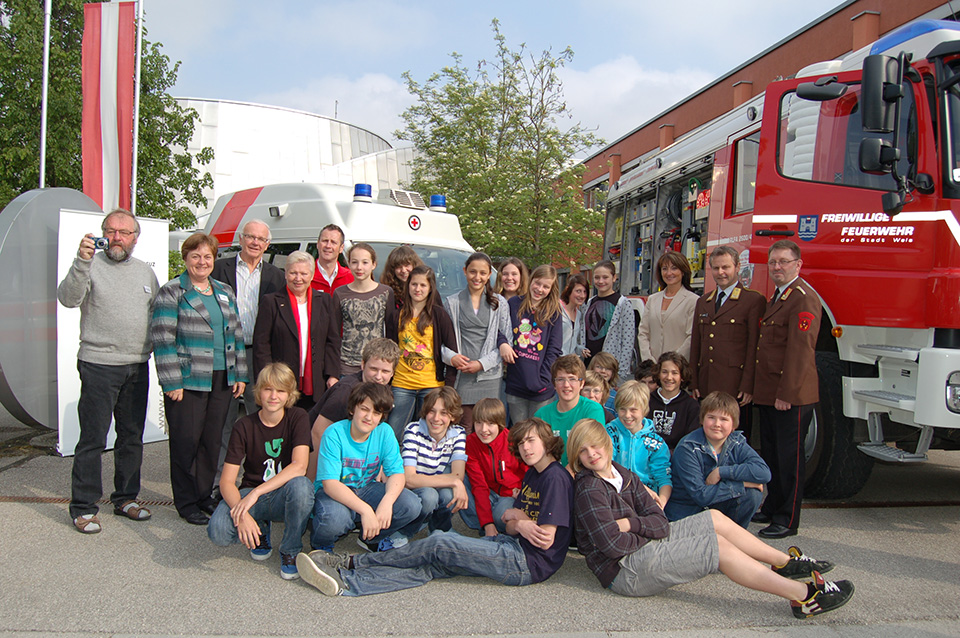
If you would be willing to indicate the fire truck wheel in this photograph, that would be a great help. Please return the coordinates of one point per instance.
(835, 467)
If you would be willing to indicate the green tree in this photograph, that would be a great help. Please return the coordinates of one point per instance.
(168, 182)
(492, 141)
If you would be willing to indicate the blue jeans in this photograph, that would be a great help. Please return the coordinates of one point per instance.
(106, 391)
(499, 505)
(406, 409)
(332, 519)
(440, 555)
(740, 510)
(290, 504)
(434, 512)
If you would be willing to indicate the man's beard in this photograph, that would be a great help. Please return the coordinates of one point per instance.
(118, 253)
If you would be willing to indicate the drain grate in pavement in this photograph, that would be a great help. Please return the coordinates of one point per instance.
(61, 499)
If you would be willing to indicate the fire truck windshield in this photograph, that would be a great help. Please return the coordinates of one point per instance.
(820, 141)
(952, 110)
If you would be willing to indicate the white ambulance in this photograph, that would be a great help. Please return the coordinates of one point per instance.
(386, 219)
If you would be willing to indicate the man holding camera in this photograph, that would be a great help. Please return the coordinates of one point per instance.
(115, 294)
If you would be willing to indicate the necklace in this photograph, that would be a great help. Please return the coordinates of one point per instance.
(668, 297)
(202, 291)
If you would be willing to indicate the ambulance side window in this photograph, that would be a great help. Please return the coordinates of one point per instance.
(276, 254)
(745, 176)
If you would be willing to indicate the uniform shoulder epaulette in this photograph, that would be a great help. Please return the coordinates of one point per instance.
(712, 293)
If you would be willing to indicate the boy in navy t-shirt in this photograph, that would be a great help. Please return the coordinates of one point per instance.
(536, 542)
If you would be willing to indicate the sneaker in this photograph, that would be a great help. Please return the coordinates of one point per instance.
(288, 567)
(262, 551)
(330, 559)
(321, 576)
(800, 566)
(393, 541)
(827, 597)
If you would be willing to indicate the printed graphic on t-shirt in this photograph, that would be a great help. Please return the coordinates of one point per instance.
(272, 462)
(359, 472)
(527, 339)
(663, 421)
(529, 502)
(598, 319)
(362, 321)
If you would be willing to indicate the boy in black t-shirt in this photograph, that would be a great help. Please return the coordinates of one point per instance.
(538, 534)
(273, 445)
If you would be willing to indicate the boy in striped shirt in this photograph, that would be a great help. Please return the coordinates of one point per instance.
(434, 459)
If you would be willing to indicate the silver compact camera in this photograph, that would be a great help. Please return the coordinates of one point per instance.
(101, 243)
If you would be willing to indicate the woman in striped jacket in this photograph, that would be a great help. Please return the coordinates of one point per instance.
(200, 358)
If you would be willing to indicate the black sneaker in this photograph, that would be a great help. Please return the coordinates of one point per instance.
(829, 595)
(800, 566)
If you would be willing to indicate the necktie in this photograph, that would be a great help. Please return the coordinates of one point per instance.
(719, 301)
(776, 295)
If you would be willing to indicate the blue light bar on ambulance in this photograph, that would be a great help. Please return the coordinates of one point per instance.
(362, 193)
(438, 203)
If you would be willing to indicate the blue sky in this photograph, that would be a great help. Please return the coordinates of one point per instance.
(632, 59)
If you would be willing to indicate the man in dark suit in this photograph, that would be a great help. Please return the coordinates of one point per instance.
(726, 324)
(786, 387)
(251, 278)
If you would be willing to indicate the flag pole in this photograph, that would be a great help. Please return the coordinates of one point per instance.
(136, 110)
(43, 99)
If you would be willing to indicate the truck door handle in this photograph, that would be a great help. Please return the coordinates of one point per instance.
(771, 233)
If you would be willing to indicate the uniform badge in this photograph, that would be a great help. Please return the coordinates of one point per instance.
(735, 294)
(805, 321)
(786, 293)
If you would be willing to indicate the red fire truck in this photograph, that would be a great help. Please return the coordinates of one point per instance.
(858, 161)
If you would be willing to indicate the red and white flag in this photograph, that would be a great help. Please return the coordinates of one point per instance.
(108, 69)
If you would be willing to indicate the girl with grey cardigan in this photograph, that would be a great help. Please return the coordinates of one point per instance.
(481, 321)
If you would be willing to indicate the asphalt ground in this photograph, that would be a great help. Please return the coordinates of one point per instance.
(164, 577)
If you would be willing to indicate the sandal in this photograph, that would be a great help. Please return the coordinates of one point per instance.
(87, 524)
(132, 510)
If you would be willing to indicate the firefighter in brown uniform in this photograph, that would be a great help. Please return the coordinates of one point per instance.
(785, 389)
(726, 324)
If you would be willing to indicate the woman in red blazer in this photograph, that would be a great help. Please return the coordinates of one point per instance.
(296, 326)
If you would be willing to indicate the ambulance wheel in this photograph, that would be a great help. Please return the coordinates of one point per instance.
(835, 467)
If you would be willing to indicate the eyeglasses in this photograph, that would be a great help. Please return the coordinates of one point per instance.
(781, 263)
(262, 240)
(115, 231)
(567, 381)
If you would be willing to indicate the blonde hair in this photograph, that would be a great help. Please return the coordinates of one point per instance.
(280, 377)
(593, 380)
(548, 308)
(633, 393)
(586, 432)
(490, 411)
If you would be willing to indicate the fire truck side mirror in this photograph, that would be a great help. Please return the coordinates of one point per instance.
(877, 156)
(880, 92)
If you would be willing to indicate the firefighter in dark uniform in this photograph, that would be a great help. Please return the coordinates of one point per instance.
(726, 324)
(785, 388)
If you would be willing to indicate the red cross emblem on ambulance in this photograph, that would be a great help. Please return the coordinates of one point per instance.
(414, 222)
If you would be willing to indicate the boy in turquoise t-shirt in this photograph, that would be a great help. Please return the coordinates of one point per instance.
(352, 453)
(568, 372)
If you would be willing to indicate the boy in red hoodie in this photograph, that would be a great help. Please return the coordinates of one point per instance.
(493, 473)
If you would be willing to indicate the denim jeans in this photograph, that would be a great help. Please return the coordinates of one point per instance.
(523, 409)
(740, 509)
(289, 504)
(440, 555)
(406, 409)
(105, 391)
(332, 519)
(434, 512)
(499, 505)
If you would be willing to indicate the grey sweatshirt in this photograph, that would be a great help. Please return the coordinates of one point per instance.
(116, 301)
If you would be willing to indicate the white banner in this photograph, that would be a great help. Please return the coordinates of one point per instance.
(151, 248)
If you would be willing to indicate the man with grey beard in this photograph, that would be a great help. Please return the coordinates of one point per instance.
(115, 294)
